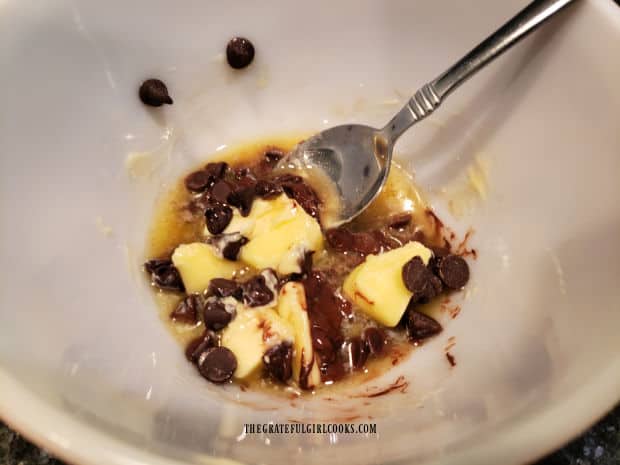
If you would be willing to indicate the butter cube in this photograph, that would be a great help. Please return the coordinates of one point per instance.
(282, 246)
(251, 334)
(198, 265)
(376, 285)
(279, 231)
(292, 307)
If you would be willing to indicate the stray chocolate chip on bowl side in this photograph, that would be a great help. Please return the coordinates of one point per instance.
(239, 52)
(154, 93)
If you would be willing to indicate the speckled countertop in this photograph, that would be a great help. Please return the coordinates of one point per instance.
(598, 446)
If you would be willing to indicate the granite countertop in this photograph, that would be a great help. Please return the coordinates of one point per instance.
(598, 446)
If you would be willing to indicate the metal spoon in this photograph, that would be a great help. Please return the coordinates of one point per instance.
(357, 158)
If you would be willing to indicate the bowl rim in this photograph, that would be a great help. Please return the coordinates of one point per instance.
(56, 432)
(68, 439)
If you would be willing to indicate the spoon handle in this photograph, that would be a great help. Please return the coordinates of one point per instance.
(428, 98)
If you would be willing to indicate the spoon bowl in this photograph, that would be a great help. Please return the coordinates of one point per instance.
(356, 158)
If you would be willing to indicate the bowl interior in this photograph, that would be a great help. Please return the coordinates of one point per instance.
(82, 163)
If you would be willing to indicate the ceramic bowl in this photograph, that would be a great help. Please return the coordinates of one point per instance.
(88, 370)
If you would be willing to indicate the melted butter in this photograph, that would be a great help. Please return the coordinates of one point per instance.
(400, 194)
(168, 228)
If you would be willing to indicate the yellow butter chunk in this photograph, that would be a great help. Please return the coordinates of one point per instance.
(283, 246)
(376, 285)
(245, 224)
(198, 265)
(292, 307)
(279, 231)
(251, 334)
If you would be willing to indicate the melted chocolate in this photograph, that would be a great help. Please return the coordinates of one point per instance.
(326, 310)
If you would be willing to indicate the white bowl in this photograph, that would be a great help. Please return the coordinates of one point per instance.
(87, 369)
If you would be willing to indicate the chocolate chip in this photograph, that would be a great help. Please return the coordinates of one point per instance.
(151, 265)
(164, 275)
(197, 181)
(421, 326)
(273, 156)
(357, 353)
(217, 364)
(419, 279)
(242, 198)
(256, 293)
(154, 92)
(187, 310)
(268, 162)
(232, 248)
(221, 287)
(218, 216)
(239, 52)
(416, 276)
(454, 271)
(267, 189)
(215, 315)
(304, 195)
(375, 340)
(399, 220)
(339, 239)
(216, 170)
(220, 191)
(278, 362)
(199, 345)
(343, 240)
